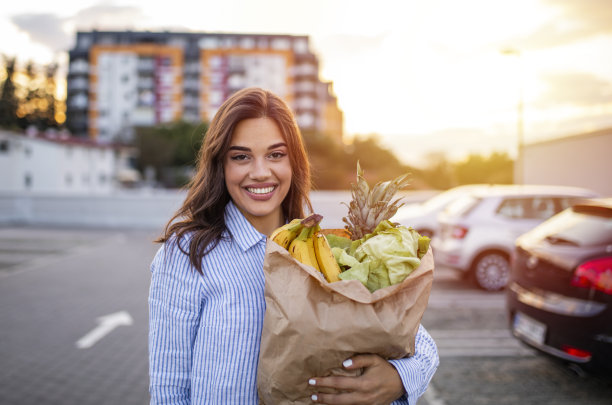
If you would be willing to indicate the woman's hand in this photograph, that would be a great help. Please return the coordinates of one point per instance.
(379, 384)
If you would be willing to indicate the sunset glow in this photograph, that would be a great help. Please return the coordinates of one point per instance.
(425, 76)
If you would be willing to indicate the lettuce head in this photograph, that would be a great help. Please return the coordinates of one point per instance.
(385, 257)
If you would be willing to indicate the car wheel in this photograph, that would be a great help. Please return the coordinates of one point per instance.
(492, 271)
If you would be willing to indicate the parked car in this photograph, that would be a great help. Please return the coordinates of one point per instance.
(559, 298)
(478, 231)
(423, 216)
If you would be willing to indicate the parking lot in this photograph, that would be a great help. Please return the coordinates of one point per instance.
(58, 286)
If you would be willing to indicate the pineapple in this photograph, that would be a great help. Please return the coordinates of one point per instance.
(369, 207)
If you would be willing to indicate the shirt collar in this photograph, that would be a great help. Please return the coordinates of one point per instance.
(240, 229)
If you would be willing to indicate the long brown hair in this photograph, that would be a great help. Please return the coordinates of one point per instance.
(202, 212)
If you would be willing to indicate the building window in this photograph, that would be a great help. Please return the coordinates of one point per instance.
(247, 43)
(300, 45)
(68, 179)
(84, 42)
(281, 44)
(27, 181)
(208, 43)
(4, 145)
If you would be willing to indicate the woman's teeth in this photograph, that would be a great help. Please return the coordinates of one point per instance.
(264, 190)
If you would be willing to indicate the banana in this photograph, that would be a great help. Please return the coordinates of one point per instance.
(325, 258)
(311, 247)
(287, 233)
(299, 247)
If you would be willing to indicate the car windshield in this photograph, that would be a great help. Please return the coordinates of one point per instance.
(576, 227)
(442, 199)
(462, 206)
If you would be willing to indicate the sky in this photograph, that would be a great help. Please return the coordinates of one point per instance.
(428, 77)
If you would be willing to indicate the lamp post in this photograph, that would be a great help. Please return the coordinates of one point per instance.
(518, 169)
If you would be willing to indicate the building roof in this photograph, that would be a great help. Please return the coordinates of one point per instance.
(592, 134)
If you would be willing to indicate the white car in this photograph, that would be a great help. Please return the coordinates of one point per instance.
(478, 230)
(423, 216)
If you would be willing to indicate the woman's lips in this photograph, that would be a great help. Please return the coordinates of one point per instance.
(260, 192)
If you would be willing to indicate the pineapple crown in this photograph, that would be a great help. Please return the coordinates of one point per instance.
(369, 207)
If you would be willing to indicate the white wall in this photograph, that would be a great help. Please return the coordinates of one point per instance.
(118, 210)
(54, 166)
(582, 161)
(147, 209)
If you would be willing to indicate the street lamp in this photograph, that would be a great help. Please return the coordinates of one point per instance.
(518, 170)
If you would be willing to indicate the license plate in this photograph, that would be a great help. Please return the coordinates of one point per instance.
(529, 328)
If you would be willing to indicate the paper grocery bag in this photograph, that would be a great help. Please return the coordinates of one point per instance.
(312, 326)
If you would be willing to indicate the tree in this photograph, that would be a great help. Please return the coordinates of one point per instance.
(8, 99)
(334, 165)
(171, 149)
(32, 101)
(494, 169)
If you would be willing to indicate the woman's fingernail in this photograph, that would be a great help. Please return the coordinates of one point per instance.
(314, 397)
(347, 363)
(312, 381)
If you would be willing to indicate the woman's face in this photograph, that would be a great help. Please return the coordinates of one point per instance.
(258, 172)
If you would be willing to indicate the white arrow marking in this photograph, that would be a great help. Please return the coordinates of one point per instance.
(106, 324)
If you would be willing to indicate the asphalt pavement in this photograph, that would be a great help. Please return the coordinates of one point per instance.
(73, 316)
(55, 285)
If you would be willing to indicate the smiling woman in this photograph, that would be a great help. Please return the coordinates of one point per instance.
(258, 173)
(207, 300)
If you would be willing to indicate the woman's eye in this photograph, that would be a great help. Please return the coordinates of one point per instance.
(277, 155)
(239, 157)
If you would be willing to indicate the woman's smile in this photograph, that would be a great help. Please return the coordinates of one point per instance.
(260, 193)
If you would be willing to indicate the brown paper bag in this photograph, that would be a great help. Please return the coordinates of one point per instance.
(312, 326)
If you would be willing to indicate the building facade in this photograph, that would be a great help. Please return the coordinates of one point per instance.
(59, 164)
(581, 160)
(120, 80)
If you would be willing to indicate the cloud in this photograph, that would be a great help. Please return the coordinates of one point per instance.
(574, 88)
(55, 32)
(107, 17)
(574, 21)
(45, 29)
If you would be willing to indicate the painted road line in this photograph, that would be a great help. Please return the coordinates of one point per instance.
(479, 343)
(106, 324)
(471, 300)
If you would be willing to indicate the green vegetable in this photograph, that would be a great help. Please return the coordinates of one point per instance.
(385, 257)
(338, 241)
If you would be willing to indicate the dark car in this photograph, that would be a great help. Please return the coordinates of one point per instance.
(560, 290)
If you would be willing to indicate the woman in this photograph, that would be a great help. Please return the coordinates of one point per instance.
(206, 298)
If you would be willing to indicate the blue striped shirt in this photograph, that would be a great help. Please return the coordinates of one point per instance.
(204, 330)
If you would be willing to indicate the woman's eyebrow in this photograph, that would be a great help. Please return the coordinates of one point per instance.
(277, 145)
(245, 149)
(241, 148)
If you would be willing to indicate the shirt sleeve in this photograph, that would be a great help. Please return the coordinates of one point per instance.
(174, 315)
(417, 371)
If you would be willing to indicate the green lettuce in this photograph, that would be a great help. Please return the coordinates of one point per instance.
(385, 257)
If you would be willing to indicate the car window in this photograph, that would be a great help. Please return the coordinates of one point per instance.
(576, 228)
(566, 202)
(538, 207)
(514, 208)
(542, 208)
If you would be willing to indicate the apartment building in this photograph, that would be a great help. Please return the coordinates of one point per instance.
(118, 80)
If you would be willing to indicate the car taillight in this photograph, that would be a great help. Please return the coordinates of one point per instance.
(574, 351)
(459, 232)
(595, 274)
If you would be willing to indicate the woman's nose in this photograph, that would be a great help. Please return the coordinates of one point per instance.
(260, 170)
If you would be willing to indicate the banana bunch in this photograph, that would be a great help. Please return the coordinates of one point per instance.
(304, 241)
